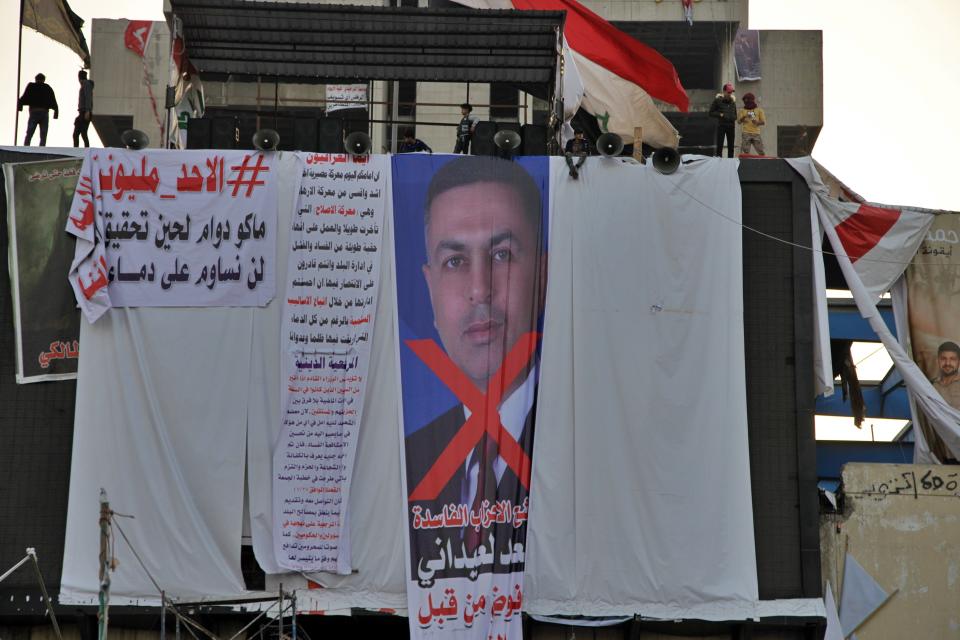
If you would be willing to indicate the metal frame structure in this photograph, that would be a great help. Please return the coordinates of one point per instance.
(285, 602)
(247, 41)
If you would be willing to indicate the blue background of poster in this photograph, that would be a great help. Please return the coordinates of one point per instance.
(424, 396)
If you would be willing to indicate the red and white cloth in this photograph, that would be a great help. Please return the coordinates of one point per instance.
(874, 245)
(879, 241)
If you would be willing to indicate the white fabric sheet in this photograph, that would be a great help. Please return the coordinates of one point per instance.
(640, 499)
(822, 358)
(160, 417)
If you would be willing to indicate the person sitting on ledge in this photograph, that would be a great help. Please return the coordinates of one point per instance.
(578, 145)
(412, 144)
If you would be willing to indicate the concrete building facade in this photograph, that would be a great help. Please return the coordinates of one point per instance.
(901, 523)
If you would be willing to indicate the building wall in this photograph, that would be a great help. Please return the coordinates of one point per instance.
(122, 82)
(902, 524)
(791, 91)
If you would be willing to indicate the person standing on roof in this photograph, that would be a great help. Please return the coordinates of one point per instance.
(465, 129)
(724, 109)
(84, 110)
(751, 117)
(39, 96)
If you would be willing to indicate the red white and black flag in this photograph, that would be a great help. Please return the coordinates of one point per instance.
(619, 77)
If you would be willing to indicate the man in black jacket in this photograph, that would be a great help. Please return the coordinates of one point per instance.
(724, 109)
(40, 98)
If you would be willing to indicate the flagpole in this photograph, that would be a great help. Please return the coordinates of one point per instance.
(16, 116)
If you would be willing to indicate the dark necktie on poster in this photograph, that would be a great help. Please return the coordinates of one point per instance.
(483, 457)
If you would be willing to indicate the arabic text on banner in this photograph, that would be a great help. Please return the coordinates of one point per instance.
(330, 305)
(346, 96)
(46, 321)
(173, 229)
(470, 242)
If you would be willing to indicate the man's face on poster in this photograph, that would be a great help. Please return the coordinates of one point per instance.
(485, 271)
(949, 362)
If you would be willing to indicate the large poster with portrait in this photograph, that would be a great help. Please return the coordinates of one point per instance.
(46, 320)
(933, 300)
(470, 236)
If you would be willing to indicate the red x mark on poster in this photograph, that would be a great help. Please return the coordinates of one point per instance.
(484, 414)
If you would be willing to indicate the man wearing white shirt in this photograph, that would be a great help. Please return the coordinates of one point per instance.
(486, 274)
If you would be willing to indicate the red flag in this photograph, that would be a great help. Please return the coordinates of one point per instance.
(609, 74)
(596, 39)
(137, 36)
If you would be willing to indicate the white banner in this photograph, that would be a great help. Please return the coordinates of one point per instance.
(332, 282)
(173, 229)
(346, 96)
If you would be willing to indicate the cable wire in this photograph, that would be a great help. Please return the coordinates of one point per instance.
(797, 245)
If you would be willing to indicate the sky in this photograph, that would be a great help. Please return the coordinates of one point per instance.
(56, 62)
(890, 86)
(889, 90)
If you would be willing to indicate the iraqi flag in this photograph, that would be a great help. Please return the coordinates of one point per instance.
(879, 241)
(611, 75)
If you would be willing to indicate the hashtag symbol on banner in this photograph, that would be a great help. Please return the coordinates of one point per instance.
(242, 180)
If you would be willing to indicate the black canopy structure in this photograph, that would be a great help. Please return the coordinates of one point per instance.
(305, 42)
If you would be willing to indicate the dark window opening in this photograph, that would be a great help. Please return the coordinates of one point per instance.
(504, 99)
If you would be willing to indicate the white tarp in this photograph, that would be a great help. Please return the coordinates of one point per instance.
(641, 493)
(162, 431)
(640, 499)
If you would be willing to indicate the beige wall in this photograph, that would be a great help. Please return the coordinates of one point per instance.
(791, 91)
(909, 541)
(120, 84)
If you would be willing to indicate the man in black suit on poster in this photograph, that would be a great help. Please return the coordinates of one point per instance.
(486, 274)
